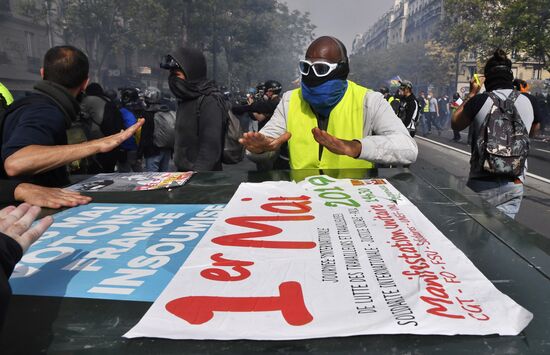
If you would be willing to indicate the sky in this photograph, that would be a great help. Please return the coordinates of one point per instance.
(342, 19)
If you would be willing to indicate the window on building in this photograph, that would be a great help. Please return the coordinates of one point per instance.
(537, 73)
(29, 38)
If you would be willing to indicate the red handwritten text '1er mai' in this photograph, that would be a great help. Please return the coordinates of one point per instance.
(200, 309)
(286, 209)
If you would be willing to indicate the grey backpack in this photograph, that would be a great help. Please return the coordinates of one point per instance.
(502, 145)
(164, 133)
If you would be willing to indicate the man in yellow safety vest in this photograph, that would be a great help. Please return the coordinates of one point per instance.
(331, 122)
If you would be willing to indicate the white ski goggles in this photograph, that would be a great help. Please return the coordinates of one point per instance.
(320, 69)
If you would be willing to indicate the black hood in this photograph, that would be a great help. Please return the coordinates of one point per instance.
(192, 62)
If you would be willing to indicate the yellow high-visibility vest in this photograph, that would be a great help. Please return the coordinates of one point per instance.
(6, 93)
(345, 122)
(426, 105)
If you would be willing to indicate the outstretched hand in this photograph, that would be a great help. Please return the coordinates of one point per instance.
(50, 197)
(336, 145)
(16, 223)
(257, 143)
(109, 143)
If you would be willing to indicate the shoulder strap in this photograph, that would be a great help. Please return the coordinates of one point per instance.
(199, 103)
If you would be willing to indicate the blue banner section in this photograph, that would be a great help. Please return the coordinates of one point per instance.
(112, 251)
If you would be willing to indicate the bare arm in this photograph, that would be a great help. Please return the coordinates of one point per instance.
(48, 196)
(36, 159)
(459, 120)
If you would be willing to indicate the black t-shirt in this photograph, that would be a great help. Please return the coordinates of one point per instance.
(36, 124)
(474, 105)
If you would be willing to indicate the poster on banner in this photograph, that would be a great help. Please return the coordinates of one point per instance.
(326, 258)
(109, 182)
(112, 251)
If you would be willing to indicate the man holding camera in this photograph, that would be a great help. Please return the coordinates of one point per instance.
(261, 108)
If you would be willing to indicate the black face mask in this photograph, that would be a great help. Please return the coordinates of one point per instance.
(312, 80)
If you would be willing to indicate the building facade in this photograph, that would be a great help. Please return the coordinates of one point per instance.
(407, 21)
(410, 21)
(23, 43)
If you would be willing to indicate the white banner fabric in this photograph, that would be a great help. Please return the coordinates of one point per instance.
(326, 258)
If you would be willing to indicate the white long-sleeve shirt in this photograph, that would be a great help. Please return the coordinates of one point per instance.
(385, 139)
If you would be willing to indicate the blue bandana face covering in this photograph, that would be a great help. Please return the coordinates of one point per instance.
(323, 98)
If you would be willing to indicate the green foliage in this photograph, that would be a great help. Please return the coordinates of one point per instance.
(481, 26)
(245, 40)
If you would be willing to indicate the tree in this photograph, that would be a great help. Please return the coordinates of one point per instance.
(521, 27)
(424, 64)
(243, 40)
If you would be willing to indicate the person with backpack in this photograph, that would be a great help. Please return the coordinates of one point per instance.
(12, 191)
(201, 112)
(501, 120)
(158, 132)
(34, 129)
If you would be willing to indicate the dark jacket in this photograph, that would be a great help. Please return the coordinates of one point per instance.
(42, 123)
(147, 145)
(10, 254)
(199, 130)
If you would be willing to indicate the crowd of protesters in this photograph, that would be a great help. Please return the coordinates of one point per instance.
(69, 125)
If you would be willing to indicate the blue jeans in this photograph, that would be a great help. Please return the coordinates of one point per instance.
(160, 162)
(501, 193)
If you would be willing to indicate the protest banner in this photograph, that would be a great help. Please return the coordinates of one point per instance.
(112, 251)
(326, 258)
(109, 182)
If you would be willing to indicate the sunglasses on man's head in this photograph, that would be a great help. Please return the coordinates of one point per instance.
(170, 63)
(320, 68)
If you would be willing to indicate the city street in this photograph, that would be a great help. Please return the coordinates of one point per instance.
(535, 207)
(437, 150)
(539, 155)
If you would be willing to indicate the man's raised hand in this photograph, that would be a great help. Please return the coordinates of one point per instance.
(336, 145)
(257, 143)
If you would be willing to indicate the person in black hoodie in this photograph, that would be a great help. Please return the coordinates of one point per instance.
(16, 236)
(199, 117)
(34, 138)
